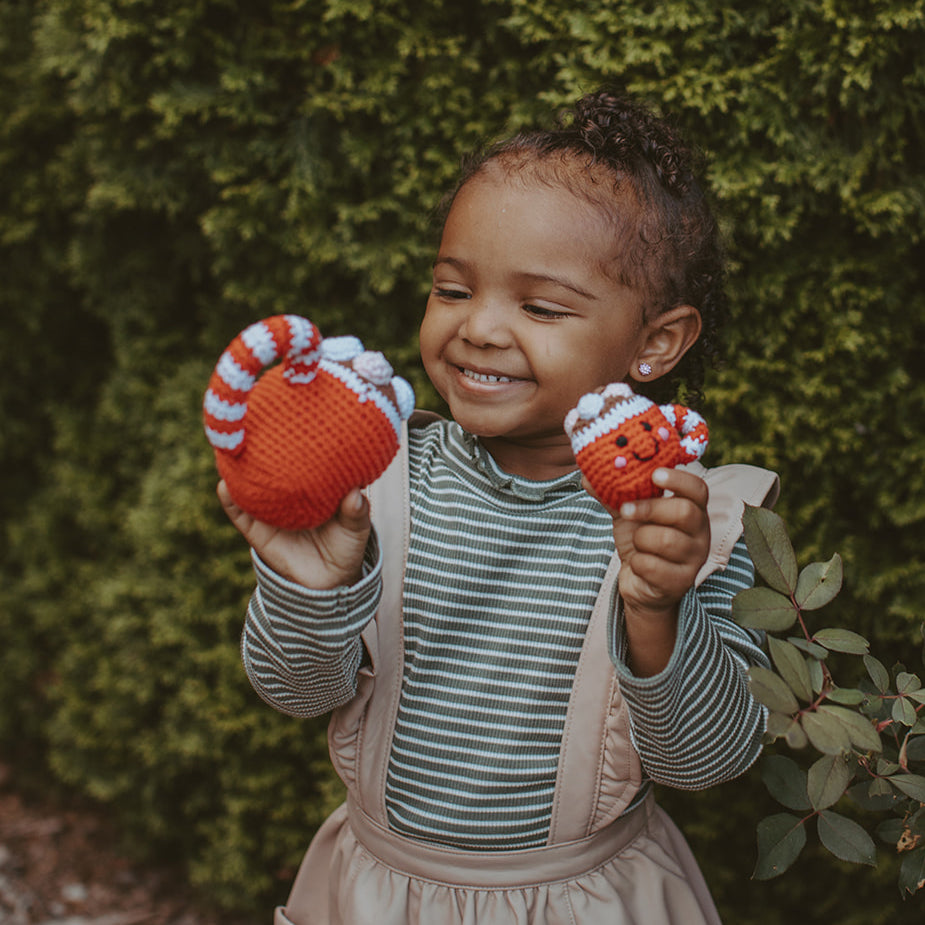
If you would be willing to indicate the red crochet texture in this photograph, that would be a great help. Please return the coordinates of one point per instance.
(291, 443)
(619, 439)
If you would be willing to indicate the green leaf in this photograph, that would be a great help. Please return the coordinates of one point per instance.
(860, 729)
(780, 840)
(771, 690)
(906, 683)
(912, 871)
(791, 665)
(880, 787)
(916, 822)
(839, 640)
(903, 756)
(873, 707)
(876, 796)
(903, 712)
(827, 781)
(770, 548)
(878, 674)
(819, 583)
(786, 781)
(763, 609)
(810, 648)
(891, 831)
(816, 676)
(826, 733)
(886, 768)
(850, 696)
(778, 724)
(786, 726)
(846, 839)
(912, 785)
(915, 748)
(796, 737)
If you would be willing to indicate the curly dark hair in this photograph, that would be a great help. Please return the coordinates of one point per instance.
(638, 169)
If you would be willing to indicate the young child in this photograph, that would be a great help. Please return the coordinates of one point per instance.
(511, 665)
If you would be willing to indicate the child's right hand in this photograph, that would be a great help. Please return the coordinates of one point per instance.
(329, 556)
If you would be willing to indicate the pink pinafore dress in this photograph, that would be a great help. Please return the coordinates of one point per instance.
(598, 866)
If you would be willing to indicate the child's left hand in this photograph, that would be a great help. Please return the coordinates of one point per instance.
(662, 544)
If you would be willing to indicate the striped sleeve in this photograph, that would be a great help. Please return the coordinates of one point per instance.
(301, 648)
(695, 724)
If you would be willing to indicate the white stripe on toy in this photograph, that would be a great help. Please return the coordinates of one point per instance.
(264, 342)
(223, 410)
(224, 441)
(233, 375)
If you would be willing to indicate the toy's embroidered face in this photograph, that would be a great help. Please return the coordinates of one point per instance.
(640, 439)
(620, 439)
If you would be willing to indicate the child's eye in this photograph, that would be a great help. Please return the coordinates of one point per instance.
(444, 293)
(546, 314)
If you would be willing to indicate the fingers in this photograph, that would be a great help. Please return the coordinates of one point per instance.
(324, 557)
(660, 534)
(225, 497)
(241, 520)
(684, 508)
(662, 542)
(353, 513)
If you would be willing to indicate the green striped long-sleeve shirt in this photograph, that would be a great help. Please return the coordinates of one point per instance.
(501, 578)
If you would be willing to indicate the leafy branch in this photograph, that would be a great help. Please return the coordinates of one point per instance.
(867, 741)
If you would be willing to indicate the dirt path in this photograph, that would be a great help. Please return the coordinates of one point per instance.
(58, 867)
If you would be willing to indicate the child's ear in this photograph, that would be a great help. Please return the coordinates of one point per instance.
(669, 336)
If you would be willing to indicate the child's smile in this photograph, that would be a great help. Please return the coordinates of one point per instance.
(526, 314)
(486, 378)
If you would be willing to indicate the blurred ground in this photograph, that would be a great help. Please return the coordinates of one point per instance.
(59, 867)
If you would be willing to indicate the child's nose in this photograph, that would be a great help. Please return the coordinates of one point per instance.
(485, 324)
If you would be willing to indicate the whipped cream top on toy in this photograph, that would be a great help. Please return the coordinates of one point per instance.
(619, 439)
(291, 443)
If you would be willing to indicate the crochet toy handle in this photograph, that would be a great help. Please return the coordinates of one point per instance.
(692, 428)
(289, 337)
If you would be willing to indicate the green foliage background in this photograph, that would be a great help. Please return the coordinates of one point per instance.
(171, 171)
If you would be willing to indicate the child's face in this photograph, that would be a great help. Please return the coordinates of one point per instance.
(523, 319)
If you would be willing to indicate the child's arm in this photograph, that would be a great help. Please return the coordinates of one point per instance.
(301, 643)
(696, 723)
(302, 649)
(662, 544)
(680, 657)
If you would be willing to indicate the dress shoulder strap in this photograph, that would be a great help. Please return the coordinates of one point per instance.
(383, 637)
(731, 488)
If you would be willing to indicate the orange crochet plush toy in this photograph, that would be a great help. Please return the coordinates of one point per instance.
(292, 442)
(619, 439)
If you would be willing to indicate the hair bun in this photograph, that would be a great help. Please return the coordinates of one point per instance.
(618, 130)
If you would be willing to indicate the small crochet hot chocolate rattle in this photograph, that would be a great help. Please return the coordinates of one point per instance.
(292, 442)
(619, 439)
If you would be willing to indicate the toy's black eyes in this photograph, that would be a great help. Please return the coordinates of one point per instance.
(622, 441)
(646, 425)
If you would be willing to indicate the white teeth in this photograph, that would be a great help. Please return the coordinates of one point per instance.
(483, 377)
